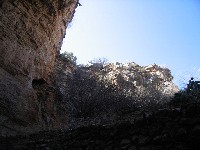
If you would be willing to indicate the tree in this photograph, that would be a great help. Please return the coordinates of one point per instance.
(69, 56)
(101, 61)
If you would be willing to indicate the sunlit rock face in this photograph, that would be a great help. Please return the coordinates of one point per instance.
(140, 80)
(31, 34)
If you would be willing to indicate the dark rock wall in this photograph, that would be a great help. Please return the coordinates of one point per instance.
(31, 34)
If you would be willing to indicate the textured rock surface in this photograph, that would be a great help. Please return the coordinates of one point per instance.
(31, 34)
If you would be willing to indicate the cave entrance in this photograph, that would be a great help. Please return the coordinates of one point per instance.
(36, 83)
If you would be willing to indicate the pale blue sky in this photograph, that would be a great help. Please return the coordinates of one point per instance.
(144, 31)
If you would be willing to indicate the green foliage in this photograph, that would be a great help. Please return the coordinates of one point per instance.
(68, 56)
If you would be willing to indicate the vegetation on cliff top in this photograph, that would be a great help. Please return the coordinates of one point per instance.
(115, 91)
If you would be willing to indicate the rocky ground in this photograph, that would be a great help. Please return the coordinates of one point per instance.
(170, 128)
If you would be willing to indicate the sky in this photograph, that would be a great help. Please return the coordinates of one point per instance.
(164, 32)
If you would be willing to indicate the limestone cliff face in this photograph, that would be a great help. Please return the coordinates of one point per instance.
(31, 34)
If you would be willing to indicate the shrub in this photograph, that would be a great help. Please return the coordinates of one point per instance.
(191, 94)
(68, 56)
(93, 96)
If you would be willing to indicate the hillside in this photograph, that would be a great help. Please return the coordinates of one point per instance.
(111, 92)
